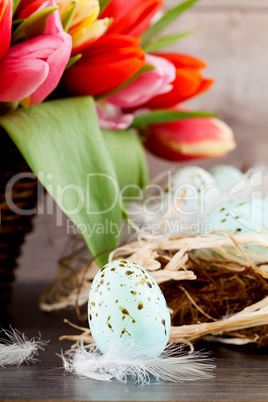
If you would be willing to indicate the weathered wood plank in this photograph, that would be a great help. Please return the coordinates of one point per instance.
(252, 4)
(234, 3)
(239, 376)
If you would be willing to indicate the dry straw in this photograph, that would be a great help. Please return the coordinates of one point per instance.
(212, 285)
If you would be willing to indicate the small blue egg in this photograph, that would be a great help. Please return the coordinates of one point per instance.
(126, 308)
(239, 217)
(201, 193)
(226, 176)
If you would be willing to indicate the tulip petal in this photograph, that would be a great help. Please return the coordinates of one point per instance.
(39, 47)
(112, 48)
(131, 17)
(186, 85)
(54, 25)
(57, 63)
(5, 26)
(85, 9)
(140, 24)
(84, 27)
(105, 65)
(21, 77)
(85, 34)
(31, 8)
(147, 85)
(205, 85)
(57, 60)
(23, 4)
(184, 60)
(42, 59)
(112, 118)
(100, 79)
(189, 81)
(190, 139)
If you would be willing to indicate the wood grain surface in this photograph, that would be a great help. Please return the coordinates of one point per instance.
(239, 376)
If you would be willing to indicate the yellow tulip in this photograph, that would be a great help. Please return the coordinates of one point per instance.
(85, 27)
(87, 33)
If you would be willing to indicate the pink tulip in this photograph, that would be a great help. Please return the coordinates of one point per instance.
(190, 139)
(112, 117)
(31, 70)
(5, 26)
(146, 86)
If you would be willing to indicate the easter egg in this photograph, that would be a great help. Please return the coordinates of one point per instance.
(126, 308)
(226, 176)
(201, 194)
(239, 217)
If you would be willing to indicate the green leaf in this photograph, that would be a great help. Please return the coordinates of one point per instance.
(167, 19)
(64, 147)
(33, 26)
(67, 18)
(156, 44)
(129, 160)
(103, 4)
(73, 60)
(15, 5)
(164, 116)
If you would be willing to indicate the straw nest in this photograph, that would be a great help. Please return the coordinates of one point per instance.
(214, 289)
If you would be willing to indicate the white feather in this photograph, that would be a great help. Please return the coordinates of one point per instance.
(17, 348)
(173, 365)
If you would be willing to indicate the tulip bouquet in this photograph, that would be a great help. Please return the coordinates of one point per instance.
(81, 81)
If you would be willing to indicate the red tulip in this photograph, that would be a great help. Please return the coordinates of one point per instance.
(190, 139)
(105, 65)
(188, 82)
(85, 28)
(21, 5)
(131, 17)
(5, 26)
(28, 7)
(31, 70)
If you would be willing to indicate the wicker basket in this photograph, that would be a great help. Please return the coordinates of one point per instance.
(14, 226)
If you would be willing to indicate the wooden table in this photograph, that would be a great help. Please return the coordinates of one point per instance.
(240, 376)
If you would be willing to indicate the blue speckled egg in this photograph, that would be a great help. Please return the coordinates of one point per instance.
(226, 176)
(238, 217)
(201, 191)
(126, 308)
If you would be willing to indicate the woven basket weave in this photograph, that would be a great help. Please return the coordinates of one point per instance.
(14, 226)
